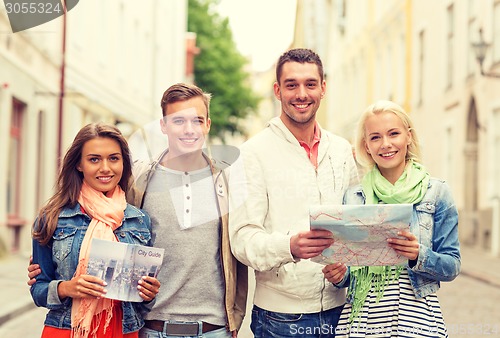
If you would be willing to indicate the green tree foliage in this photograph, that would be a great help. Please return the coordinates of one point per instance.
(219, 69)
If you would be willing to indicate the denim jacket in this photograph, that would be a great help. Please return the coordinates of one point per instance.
(59, 258)
(435, 223)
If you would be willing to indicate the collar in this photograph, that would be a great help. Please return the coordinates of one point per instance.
(316, 136)
(68, 212)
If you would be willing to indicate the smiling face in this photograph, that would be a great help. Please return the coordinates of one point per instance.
(387, 140)
(101, 164)
(300, 90)
(186, 124)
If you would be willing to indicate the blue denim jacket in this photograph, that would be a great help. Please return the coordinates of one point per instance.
(435, 223)
(58, 261)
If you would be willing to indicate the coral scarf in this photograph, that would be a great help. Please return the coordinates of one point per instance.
(107, 213)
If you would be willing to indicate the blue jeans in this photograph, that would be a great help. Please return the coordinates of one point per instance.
(148, 333)
(268, 324)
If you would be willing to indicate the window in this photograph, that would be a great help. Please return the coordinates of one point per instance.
(472, 34)
(496, 154)
(341, 13)
(389, 76)
(377, 90)
(449, 46)
(421, 64)
(40, 149)
(104, 36)
(448, 153)
(15, 158)
(400, 89)
(120, 63)
(496, 32)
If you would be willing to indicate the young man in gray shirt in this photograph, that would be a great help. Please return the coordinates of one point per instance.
(204, 288)
(185, 192)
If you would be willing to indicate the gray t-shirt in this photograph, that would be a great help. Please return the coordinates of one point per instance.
(185, 220)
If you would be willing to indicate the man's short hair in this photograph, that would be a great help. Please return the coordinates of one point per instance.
(300, 55)
(183, 92)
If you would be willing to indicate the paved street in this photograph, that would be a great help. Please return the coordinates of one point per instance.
(471, 309)
(27, 325)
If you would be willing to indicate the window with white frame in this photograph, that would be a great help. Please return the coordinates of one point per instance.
(472, 30)
(377, 90)
(15, 158)
(496, 152)
(496, 32)
(421, 66)
(41, 159)
(104, 36)
(120, 64)
(389, 79)
(450, 36)
(450, 19)
(400, 90)
(448, 154)
(136, 38)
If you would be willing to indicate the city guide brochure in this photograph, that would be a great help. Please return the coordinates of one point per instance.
(121, 266)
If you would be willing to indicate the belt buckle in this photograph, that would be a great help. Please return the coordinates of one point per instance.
(179, 329)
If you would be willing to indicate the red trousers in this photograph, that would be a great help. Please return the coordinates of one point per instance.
(114, 329)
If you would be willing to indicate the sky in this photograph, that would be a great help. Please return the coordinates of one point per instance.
(262, 29)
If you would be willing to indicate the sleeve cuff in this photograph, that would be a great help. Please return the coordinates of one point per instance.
(53, 296)
(344, 282)
(419, 264)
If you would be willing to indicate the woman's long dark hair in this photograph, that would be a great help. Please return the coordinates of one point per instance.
(70, 180)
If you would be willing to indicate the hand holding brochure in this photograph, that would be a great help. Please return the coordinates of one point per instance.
(361, 232)
(121, 266)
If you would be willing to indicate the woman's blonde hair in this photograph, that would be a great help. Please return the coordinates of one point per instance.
(362, 156)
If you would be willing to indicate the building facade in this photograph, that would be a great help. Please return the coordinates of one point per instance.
(104, 61)
(419, 54)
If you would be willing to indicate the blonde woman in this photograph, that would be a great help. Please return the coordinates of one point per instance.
(392, 301)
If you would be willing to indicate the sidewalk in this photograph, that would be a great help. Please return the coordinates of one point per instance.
(16, 298)
(480, 265)
(14, 292)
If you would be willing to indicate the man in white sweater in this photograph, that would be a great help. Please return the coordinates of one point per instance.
(289, 166)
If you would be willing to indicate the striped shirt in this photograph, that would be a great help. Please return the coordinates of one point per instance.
(397, 314)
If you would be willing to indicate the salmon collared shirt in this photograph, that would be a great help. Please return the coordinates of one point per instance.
(312, 152)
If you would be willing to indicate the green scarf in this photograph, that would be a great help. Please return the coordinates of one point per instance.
(409, 188)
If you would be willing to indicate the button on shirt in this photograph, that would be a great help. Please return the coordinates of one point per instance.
(312, 152)
(193, 196)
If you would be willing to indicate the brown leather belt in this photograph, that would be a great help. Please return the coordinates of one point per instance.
(180, 328)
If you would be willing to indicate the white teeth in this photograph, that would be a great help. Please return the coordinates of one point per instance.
(301, 106)
(104, 179)
(388, 154)
(190, 141)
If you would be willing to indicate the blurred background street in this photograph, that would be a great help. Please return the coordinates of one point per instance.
(440, 60)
